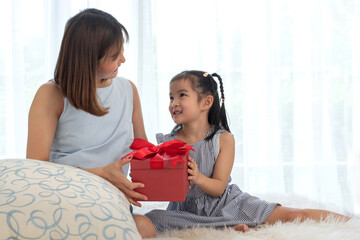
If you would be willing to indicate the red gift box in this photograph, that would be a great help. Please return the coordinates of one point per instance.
(162, 169)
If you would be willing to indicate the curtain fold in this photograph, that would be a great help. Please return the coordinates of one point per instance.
(290, 70)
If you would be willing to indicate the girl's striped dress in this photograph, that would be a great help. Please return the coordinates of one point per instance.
(202, 210)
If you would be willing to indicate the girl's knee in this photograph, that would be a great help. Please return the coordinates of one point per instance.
(145, 227)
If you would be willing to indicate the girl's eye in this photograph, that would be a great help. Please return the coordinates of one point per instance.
(171, 98)
(182, 95)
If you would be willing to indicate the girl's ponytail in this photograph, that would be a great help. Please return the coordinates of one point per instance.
(221, 87)
(217, 114)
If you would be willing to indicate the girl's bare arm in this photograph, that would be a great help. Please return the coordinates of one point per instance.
(216, 185)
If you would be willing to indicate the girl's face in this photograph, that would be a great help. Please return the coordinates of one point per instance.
(185, 105)
(109, 64)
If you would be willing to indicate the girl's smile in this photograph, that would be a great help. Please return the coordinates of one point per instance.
(175, 114)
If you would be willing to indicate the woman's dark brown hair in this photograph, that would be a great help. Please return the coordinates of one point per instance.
(88, 37)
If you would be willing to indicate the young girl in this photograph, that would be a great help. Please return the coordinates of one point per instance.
(86, 116)
(212, 201)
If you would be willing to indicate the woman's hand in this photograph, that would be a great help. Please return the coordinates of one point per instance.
(113, 174)
(194, 175)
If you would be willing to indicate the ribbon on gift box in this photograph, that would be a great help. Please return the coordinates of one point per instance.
(170, 150)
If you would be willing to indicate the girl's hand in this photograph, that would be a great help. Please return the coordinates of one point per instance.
(113, 174)
(194, 175)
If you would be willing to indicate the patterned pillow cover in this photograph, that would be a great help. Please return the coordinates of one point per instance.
(44, 200)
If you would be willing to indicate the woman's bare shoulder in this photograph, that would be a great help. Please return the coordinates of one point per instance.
(49, 95)
(50, 87)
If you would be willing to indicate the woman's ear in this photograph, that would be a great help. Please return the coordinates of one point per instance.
(207, 102)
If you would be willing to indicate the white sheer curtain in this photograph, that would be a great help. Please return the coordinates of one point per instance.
(291, 72)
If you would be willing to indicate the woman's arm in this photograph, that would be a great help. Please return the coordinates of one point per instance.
(45, 111)
(216, 185)
(44, 114)
(137, 118)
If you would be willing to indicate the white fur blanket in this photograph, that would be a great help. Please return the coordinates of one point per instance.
(329, 229)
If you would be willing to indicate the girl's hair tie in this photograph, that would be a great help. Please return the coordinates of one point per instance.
(205, 74)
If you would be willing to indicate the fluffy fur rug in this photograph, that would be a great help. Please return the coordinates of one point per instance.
(329, 229)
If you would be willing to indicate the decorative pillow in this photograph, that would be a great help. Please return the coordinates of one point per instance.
(44, 200)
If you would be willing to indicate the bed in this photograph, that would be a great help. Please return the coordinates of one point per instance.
(43, 200)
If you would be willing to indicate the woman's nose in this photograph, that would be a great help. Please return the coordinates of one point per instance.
(121, 59)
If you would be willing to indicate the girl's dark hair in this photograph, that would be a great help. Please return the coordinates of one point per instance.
(204, 84)
(89, 36)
